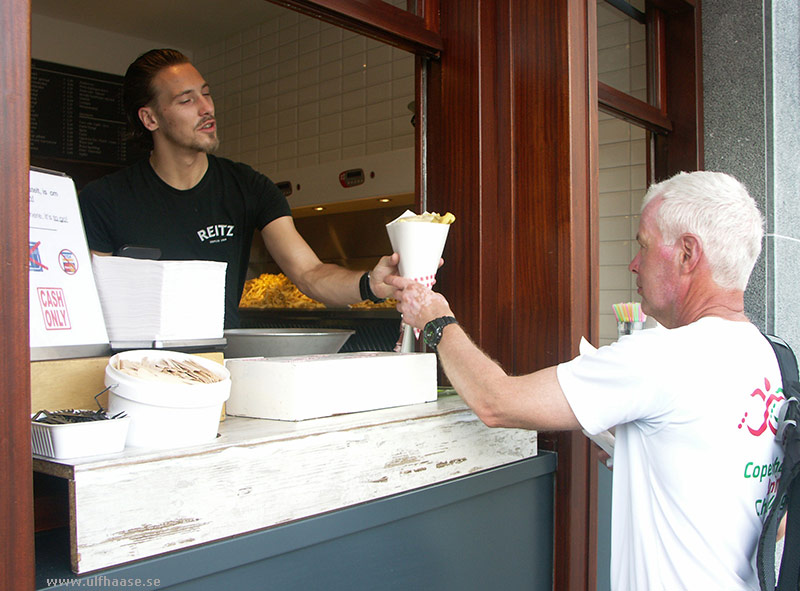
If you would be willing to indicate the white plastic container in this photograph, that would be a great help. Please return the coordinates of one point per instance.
(77, 440)
(166, 415)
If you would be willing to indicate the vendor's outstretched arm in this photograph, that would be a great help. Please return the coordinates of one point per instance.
(533, 401)
(330, 284)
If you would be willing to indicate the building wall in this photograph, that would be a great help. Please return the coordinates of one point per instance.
(751, 79)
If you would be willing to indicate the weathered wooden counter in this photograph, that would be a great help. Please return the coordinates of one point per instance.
(259, 474)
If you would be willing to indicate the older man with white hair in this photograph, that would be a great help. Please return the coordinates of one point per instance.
(695, 462)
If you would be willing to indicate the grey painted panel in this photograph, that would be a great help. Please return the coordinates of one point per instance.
(492, 529)
(604, 488)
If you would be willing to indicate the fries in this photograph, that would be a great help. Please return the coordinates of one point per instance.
(431, 217)
(368, 305)
(278, 291)
(275, 291)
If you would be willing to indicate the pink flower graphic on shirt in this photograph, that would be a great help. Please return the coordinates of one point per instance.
(765, 405)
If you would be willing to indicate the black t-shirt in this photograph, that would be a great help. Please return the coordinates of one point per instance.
(213, 221)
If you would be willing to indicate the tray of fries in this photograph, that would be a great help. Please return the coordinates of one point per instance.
(276, 291)
(270, 290)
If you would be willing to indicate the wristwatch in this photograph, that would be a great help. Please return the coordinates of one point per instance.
(432, 333)
(366, 290)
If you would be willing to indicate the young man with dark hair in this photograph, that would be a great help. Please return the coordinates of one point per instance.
(194, 206)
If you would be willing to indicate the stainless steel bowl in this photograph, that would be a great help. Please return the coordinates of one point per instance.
(282, 342)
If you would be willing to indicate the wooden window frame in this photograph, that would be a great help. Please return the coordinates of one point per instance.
(673, 31)
(379, 20)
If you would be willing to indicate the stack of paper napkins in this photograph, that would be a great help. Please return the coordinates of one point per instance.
(147, 300)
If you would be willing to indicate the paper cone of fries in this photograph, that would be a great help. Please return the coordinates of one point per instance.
(419, 240)
(420, 245)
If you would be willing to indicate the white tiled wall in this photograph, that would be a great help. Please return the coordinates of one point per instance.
(293, 92)
(621, 49)
(622, 154)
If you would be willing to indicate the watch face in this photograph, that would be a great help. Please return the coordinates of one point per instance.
(432, 332)
(430, 335)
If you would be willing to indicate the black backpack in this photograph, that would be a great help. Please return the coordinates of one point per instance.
(788, 435)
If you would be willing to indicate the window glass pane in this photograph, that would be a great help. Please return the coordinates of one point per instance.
(621, 49)
(623, 180)
(295, 92)
(409, 5)
(304, 99)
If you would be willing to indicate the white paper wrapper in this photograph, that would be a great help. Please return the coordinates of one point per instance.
(420, 245)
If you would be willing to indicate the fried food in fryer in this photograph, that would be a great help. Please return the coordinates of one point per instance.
(275, 291)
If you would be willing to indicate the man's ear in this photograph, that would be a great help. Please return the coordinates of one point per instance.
(691, 251)
(148, 118)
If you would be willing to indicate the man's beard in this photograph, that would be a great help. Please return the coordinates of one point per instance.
(209, 146)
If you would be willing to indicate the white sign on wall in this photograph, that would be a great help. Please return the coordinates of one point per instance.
(66, 319)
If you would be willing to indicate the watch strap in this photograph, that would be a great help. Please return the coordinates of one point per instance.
(366, 290)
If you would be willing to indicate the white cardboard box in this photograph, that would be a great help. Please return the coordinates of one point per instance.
(312, 386)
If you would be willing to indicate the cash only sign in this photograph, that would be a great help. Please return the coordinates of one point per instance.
(66, 319)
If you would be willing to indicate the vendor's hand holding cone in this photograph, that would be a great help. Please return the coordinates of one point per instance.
(420, 245)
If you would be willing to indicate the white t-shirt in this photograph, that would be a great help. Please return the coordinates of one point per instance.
(695, 459)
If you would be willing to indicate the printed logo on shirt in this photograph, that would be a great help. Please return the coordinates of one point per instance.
(762, 412)
(761, 419)
(216, 233)
(771, 472)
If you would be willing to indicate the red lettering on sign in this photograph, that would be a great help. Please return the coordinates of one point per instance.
(54, 308)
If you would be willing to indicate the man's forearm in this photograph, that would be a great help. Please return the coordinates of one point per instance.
(472, 373)
(331, 284)
(532, 401)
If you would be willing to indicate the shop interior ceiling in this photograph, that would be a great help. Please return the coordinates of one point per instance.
(185, 23)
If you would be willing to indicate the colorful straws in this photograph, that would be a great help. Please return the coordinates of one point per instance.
(629, 312)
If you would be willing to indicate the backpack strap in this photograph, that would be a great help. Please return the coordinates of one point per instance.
(789, 579)
(788, 495)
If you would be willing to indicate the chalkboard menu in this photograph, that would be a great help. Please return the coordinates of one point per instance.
(77, 115)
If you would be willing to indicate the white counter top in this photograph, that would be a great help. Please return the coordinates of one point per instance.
(260, 473)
